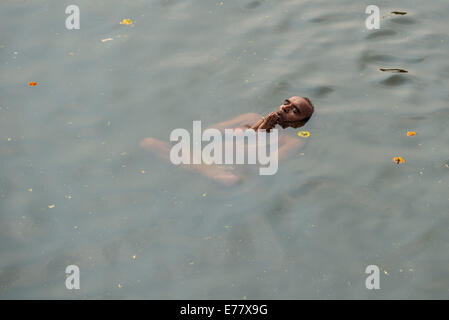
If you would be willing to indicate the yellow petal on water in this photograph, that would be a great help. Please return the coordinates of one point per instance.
(304, 134)
(398, 160)
(126, 21)
(204, 194)
(107, 39)
(30, 189)
(411, 133)
(143, 171)
(51, 206)
(134, 257)
(9, 139)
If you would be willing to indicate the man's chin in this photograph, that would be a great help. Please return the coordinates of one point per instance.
(283, 124)
(281, 121)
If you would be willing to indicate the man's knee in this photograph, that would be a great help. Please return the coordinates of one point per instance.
(148, 143)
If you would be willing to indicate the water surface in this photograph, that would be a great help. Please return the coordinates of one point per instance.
(336, 206)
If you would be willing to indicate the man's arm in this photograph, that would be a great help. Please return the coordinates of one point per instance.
(241, 120)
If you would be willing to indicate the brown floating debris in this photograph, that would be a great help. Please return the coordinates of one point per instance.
(399, 12)
(393, 70)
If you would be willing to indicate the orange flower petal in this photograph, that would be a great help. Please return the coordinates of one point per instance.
(32, 83)
(411, 133)
(398, 160)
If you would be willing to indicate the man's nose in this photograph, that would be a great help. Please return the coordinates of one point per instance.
(284, 108)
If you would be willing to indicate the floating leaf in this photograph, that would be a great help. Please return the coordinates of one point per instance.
(399, 12)
(393, 70)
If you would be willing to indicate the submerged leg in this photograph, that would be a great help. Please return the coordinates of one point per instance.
(162, 150)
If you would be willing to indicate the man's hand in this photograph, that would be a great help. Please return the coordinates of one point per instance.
(267, 123)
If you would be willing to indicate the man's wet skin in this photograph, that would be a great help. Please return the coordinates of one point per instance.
(291, 113)
(294, 112)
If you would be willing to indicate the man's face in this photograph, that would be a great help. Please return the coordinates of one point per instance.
(294, 110)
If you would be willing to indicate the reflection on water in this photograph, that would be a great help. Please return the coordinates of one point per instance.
(76, 189)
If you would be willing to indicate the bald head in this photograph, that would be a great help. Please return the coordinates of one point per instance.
(295, 112)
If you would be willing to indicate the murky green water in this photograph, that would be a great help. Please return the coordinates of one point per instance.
(307, 232)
